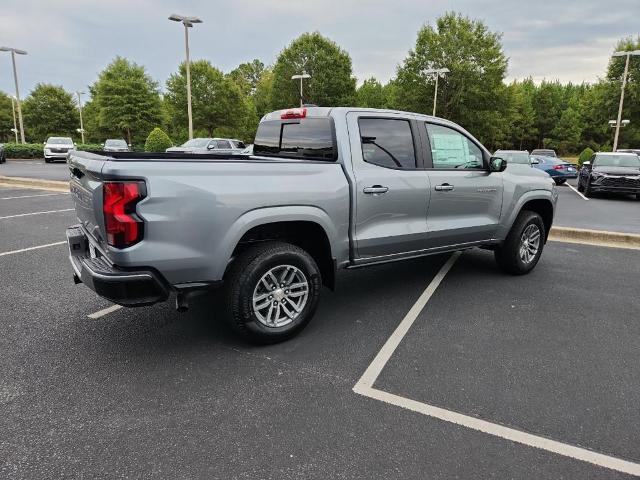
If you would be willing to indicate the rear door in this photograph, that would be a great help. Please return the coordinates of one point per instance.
(391, 185)
(223, 146)
(466, 199)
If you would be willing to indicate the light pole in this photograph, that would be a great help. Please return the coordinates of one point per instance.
(624, 84)
(15, 78)
(81, 129)
(301, 78)
(13, 109)
(437, 73)
(188, 23)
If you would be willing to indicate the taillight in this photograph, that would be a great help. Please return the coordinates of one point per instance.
(294, 113)
(558, 167)
(124, 228)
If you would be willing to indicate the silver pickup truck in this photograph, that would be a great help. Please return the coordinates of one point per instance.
(325, 189)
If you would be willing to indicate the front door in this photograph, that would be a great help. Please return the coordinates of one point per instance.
(466, 199)
(391, 190)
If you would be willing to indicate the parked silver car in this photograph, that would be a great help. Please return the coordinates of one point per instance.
(56, 148)
(115, 145)
(210, 145)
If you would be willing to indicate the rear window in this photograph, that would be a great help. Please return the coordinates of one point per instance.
(307, 138)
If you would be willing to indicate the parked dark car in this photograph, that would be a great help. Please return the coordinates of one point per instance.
(115, 145)
(617, 172)
(557, 168)
(545, 152)
(3, 157)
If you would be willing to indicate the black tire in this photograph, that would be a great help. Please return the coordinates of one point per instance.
(580, 187)
(508, 254)
(637, 196)
(46, 160)
(243, 278)
(587, 189)
(561, 181)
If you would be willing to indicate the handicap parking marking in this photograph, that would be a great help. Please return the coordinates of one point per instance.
(365, 387)
(38, 247)
(104, 311)
(32, 196)
(576, 190)
(37, 213)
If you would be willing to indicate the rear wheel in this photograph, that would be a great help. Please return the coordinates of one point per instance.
(521, 250)
(561, 181)
(272, 292)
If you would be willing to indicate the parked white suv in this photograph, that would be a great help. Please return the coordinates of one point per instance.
(56, 148)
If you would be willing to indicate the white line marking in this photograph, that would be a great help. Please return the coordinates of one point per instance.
(2, 254)
(104, 311)
(31, 196)
(364, 386)
(575, 190)
(36, 213)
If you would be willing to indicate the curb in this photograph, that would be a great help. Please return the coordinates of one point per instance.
(23, 182)
(601, 238)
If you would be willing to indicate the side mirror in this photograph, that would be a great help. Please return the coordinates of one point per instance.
(535, 161)
(586, 164)
(211, 146)
(497, 164)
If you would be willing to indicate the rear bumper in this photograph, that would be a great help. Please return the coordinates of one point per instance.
(128, 288)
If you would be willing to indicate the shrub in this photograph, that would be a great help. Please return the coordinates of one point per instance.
(584, 156)
(89, 147)
(157, 141)
(26, 150)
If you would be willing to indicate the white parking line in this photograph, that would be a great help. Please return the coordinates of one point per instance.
(364, 386)
(575, 190)
(104, 311)
(31, 196)
(2, 254)
(36, 213)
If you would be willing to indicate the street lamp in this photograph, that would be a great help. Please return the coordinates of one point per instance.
(301, 78)
(15, 78)
(81, 129)
(437, 73)
(188, 23)
(13, 109)
(624, 84)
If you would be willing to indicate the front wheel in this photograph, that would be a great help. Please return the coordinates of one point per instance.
(561, 181)
(521, 250)
(580, 187)
(587, 188)
(272, 292)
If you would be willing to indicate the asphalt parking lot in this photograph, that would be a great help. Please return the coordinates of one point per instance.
(153, 393)
(35, 168)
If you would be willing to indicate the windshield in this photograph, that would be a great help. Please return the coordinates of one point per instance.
(197, 142)
(115, 143)
(514, 157)
(548, 153)
(60, 140)
(618, 161)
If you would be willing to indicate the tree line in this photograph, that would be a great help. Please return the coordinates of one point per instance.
(125, 102)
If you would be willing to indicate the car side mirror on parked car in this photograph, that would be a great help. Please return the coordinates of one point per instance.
(210, 147)
(497, 164)
(535, 161)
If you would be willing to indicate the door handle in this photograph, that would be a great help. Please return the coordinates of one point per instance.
(376, 190)
(445, 187)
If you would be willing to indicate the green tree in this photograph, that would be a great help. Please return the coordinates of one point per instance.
(157, 141)
(371, 94)
(262, 96)
(6, 119)
(521, 116)
(247, 76)
(127, 101)
(331, 83)
(472, 94)
(585, 155)
(49, 110)
(566, 135)
(217, 102)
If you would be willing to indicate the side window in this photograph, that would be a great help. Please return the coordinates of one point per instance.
(450, 149)
(387, 142)
(224, 144)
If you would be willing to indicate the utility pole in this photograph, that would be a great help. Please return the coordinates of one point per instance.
(188, 23)
(13, 109)
(80, 108)
(624, 84)
(301, 78)
(15, 79)
(437, 73)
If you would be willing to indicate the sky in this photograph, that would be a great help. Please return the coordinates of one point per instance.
(70, 41)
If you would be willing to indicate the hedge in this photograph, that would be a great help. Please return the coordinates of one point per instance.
(157, 141)
(26, 150)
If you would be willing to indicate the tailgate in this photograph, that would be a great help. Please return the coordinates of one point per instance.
(86, 190)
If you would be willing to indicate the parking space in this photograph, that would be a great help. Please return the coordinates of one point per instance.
(151, 391)
(35, 169)
(618, 213)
